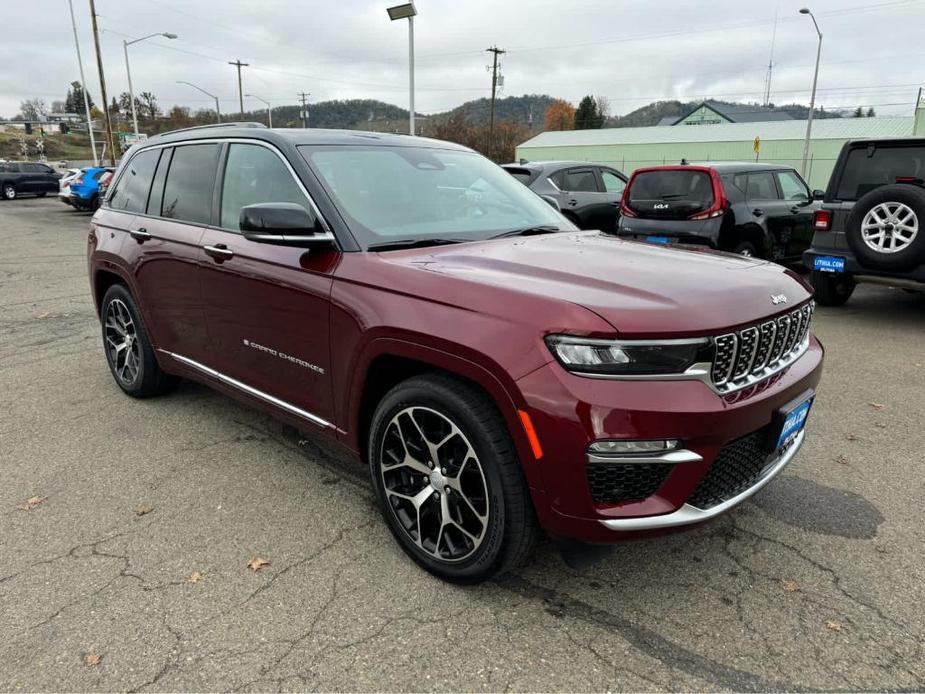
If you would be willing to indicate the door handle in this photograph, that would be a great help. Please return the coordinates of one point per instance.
(140, 235)
(758, 212)
(572, 202)
(794, 210)
(219, 252)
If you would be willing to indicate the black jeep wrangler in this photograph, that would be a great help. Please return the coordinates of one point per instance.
(870, 225)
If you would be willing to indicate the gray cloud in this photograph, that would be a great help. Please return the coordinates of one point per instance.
(632, 51)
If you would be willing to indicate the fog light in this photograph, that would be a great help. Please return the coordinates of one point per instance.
(624, 447)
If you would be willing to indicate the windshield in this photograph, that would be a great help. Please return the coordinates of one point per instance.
(405, 193)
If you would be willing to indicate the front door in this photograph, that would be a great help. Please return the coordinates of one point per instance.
(797, 195)
(268, 306)
(769, 210)
(583, 197)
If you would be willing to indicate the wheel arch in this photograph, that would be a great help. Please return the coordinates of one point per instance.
(387, 362)
(753, 233)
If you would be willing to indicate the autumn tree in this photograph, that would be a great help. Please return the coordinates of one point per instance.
(560, 116)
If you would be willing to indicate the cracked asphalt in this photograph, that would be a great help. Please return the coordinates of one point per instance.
(817, 583)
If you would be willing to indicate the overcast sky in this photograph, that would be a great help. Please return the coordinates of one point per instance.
(631, 51)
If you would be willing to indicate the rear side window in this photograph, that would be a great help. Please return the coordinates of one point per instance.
(131, 195)
(867, 168)
(190, 180)
(760, 186)
(579, 181)
(31, 168)
(255, 174)
(522, 175)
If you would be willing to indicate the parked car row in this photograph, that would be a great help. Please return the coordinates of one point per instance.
(751, 209)
(87, 188)
(497, 369)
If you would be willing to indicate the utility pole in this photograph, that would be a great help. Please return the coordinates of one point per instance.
(494, 85)
(99, 65)
(238, 64)
(83, 86)
(304, 96)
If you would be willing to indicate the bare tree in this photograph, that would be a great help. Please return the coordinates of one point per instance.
(33, 109)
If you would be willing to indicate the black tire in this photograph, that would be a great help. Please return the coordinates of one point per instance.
(9, 191)
(832, 289)
(746, 249)
(913, 252)
(94, 203)
(509, 531)
(146, 379)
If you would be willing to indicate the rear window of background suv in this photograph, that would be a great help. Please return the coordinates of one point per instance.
(673, 185)
(867, 168)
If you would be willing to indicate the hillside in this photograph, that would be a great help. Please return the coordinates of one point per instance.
(652, 113)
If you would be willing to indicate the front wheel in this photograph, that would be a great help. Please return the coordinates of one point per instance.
(9, 191)
(831, 289)
(448, 479)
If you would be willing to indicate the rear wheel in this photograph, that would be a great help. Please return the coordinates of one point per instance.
(128, 349)
(746, 249)
(448, 479)
(9, 191)
(832, 289)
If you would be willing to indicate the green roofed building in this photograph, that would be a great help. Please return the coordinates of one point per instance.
(781, 142)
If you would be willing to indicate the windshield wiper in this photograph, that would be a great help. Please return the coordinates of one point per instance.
(411, 243)
(529, 231)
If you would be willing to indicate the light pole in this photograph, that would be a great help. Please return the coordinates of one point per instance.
(407, 11)
(128, 71)
(269, 110)
(812, 99)
(218, 114)
(83, 86)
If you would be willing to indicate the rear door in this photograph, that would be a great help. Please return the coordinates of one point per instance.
(613, 184)
(763, 200)
(796, 193)
(164, 240)
(583, 195)
(268, 306)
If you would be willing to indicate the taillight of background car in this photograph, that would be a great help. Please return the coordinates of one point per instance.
(822, 220)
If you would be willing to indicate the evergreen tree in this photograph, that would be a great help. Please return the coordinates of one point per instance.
(74, 103)
(870, 112)
(588, 115)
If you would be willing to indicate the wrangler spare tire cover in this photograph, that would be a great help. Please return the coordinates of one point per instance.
(886, 228)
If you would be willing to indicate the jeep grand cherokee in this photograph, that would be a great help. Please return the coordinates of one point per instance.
(498, 370)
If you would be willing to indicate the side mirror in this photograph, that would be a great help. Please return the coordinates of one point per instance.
(552, 202)
(284, 223)
(818, 194)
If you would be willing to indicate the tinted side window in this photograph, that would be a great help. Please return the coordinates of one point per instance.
(612, 182)
(761, 187)
(131, 194)
(188, 189)
(863, 173)
(255, 174)
(30, 168)
(792, 186)
(580, 181)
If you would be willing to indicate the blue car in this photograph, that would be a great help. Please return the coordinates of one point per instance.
(85, 191)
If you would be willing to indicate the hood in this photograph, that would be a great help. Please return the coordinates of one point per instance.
(640, 289)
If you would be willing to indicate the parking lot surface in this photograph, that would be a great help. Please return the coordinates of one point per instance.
(126, 529)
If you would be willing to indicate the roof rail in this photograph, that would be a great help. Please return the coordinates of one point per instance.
(242, 124)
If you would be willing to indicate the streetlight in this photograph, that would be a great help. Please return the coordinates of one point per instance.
(128, 71)
(269, 110)
(83, 86)
(218, 114)
(812, 99)
(407, 11)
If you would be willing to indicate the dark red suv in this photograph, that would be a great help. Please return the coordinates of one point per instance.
(498, 370)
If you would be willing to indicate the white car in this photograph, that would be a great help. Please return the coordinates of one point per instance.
(64, 184)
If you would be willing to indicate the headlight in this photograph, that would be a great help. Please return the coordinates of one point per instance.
(628, 357)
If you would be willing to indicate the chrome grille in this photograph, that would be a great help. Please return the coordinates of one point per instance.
(752, 353)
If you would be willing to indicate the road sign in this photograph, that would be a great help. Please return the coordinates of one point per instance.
(757, 145)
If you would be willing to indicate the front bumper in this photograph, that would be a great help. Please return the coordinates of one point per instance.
(691, 515)
(569, 412)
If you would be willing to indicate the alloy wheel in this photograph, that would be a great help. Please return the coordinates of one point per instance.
(434, 483)
(9, 192)
(889, 227)
(122, 346)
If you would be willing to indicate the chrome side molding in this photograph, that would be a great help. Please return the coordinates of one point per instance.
(250, 390)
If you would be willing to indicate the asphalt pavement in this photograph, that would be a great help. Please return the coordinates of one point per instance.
(127, 527)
